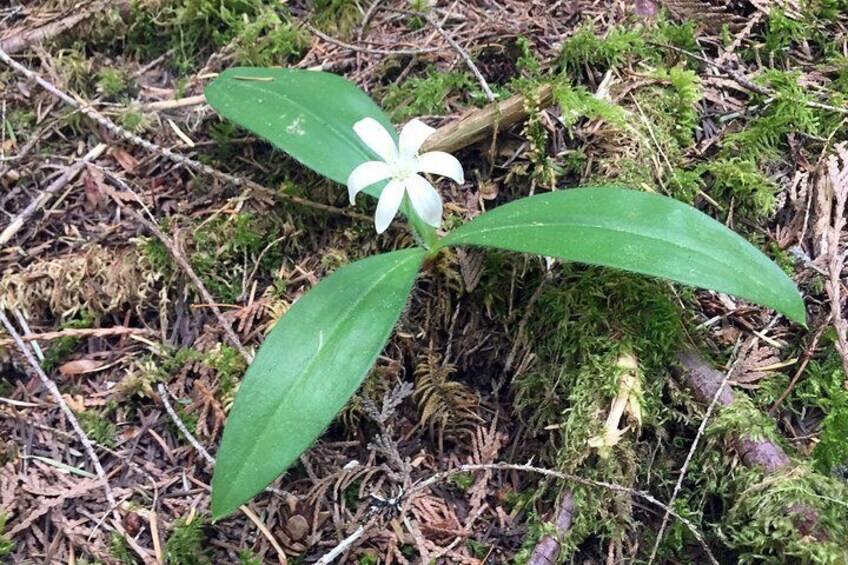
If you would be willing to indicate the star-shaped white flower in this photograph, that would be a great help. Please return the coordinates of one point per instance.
(402, 164)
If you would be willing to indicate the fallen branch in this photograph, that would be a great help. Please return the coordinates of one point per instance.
(79, 332)
(704, 381)
(42, 199)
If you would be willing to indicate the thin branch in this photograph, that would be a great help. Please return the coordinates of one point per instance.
(106, 123)
(370, 50)
(679, 484)
(342, 547)
(464, 54)
(79, 332)
(72, 171)
(166, 401)
(51, 387)
(445, 475)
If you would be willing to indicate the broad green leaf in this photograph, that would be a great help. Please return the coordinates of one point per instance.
(307, 114)
(309, 366)
(639, 232)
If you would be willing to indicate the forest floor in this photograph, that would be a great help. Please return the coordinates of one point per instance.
(123, 194)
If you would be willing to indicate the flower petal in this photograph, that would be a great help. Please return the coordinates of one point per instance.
(412, 137)
(441, 163)
(377, 138)
(365, 175)
(425, 199)
(388, 205)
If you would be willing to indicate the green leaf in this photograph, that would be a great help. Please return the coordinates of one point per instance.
(639, 232)
(309, 366)
(307, 114)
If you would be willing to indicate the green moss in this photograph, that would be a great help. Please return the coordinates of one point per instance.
(60, 348)
(258, 32)
(337, 17)
(6, 544)
(120, 551)
(576, 102)
(585, 48)
(113, 83)
(433, 93)
(99, 428)
(740, 181)
(227, 248)
(186, 544)
(798, 516)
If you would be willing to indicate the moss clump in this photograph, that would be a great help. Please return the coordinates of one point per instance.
(257, 32)
(6, 544)
(593, 317)
(433, 93)
(800, 515)
(186, 544)
(99, 428)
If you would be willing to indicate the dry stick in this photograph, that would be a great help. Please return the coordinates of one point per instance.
(79, 332)
(370, 50)
(679, 484)
(464, 54)
(342, 547)
(444, 475)
(164, 152)
(166, 401)
(57, 396)
(48, 193)
(22, 40)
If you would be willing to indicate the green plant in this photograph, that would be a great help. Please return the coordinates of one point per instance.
(185, 546)
(6, 545)
(333, 334)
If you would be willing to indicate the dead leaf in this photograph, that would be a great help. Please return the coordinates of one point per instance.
(80, 367)
(124, 159)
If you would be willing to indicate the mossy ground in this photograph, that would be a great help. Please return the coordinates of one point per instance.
(524, 366)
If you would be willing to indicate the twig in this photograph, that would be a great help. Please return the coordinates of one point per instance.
(164, 152)
(444, 475)
(342, 547)
(22, 40)
(369, 50)
(679, 484)
(464, 54)
(72, 171)
(57, 396)
(78, 332)
(479, 124)
(174, 104)
(166, 401)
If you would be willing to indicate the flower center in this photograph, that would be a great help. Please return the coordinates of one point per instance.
(403, 168)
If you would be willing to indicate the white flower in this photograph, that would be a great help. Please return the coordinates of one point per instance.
(402, 164)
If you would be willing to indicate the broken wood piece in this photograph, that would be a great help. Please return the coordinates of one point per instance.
(27, 37)
(483, 123)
